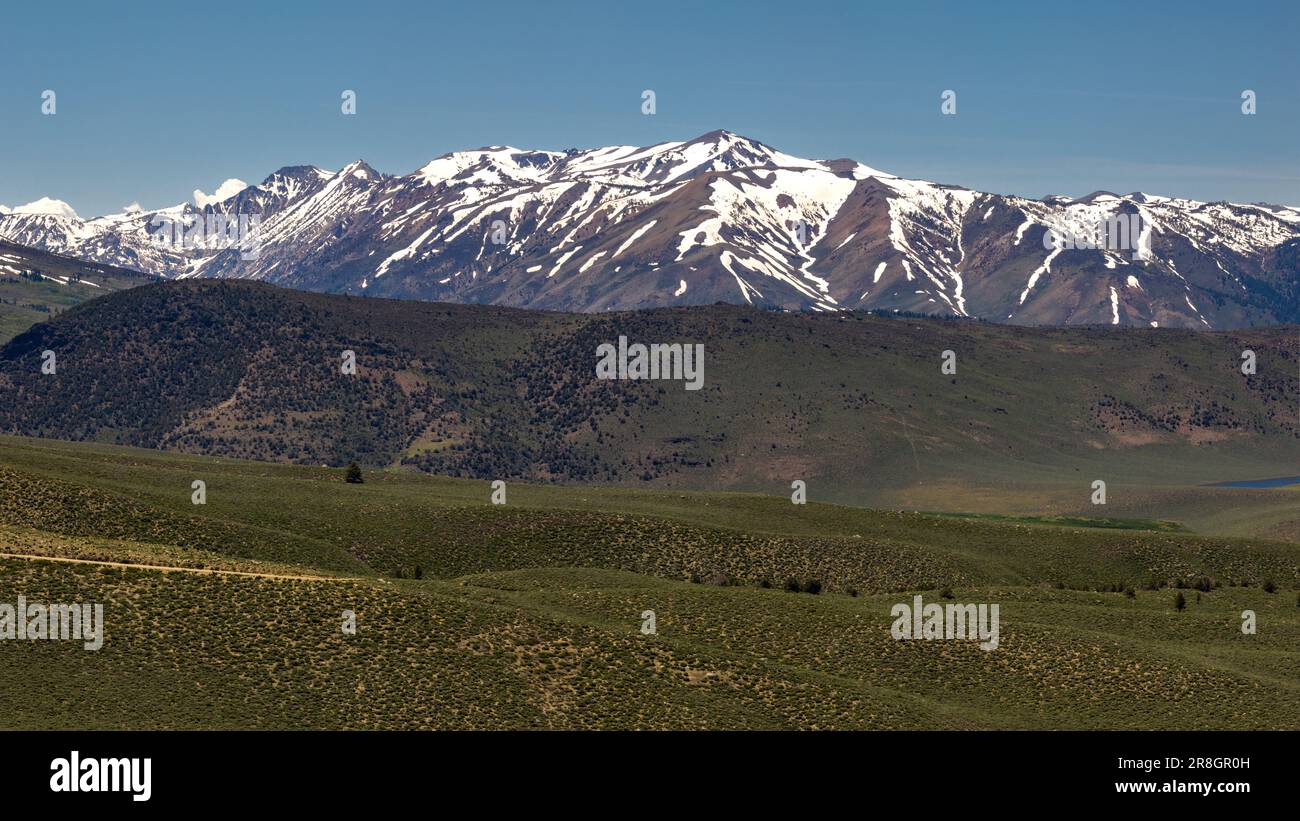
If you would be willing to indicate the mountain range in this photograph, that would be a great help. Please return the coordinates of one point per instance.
(717, 218)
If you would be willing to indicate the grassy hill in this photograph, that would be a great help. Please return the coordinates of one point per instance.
(855, 404)
(229, 614)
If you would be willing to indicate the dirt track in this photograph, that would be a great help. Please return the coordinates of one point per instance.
(170, 569)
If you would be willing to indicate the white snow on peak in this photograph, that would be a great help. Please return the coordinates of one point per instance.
(862, 172)
(290, 186)
(356, 169)
(48, 207)
(669, 162)
(225, 191)
(616, 163)
(500, 164)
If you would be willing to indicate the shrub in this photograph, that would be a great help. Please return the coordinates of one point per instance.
(1269, 587)
(1180, 603)
(792, 585)
(354, 474)
(812, 586)
(946, 593)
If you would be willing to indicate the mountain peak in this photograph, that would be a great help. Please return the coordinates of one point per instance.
(718, 135)
(490, 165)
(725, 141)
(360, 169)
(46, 206)
(298, 172)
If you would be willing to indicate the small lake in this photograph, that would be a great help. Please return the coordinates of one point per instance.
(1284, 481)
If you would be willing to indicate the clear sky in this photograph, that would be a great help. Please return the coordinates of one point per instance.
(156, 100)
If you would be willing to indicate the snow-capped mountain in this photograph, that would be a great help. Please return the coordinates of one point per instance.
(720, 217)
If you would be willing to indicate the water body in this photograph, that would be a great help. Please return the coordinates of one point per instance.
(1284, 481)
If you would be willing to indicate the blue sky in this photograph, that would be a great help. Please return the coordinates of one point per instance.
(155, 100)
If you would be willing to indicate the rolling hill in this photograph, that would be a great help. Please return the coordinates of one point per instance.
(530, 614)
